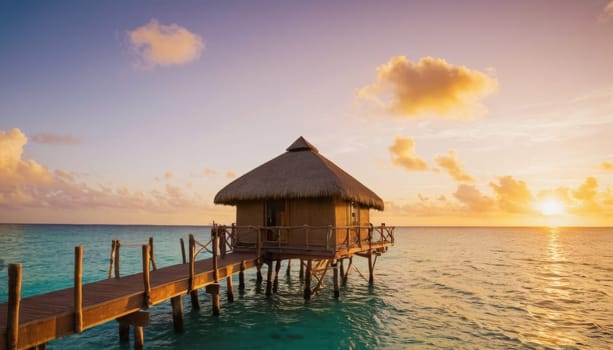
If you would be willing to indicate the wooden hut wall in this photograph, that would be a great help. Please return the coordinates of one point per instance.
(364, 221)
(249, 213)
(313, 212)
(342, 213)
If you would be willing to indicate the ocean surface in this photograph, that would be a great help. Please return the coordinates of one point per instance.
(437, 288)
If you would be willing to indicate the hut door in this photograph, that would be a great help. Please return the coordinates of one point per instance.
(275, 216)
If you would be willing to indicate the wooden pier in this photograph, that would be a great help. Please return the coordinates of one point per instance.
(31, 322)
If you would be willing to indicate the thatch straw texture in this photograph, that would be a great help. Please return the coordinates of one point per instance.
(301, 172)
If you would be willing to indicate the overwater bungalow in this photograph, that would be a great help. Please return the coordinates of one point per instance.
(301, 205)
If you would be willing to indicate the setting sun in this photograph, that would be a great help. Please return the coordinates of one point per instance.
(552, 207)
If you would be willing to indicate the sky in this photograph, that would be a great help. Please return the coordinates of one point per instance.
(453, 112)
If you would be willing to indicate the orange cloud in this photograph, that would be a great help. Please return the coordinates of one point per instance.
(55, 139)
(156, 44)
(403, 154)
(208, 171)
(18, 176)
(513, 195)
(230, 174)
(430, 86)
(607, 166)
(454, 167)
(607, 12)
(473, 199)
(169, 175)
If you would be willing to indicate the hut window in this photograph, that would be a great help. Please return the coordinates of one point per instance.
(275, 210)
(354, 214)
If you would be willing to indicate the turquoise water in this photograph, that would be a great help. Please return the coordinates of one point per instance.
(438, 288)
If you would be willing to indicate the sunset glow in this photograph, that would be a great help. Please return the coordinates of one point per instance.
(456, 113)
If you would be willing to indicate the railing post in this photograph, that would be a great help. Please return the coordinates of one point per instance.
(191, 262)
(215, 243)
(78, 289)
(306, 236)
(151, 256)
(117, 247)
(182, 250)
(14, 302)
(347, 237)
(112, 260)
(146, 275)
(258, 244)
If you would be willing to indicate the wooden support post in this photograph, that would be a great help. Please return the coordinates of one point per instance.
(213, 289)
(151, 256)
(112, 260)
(177, 313)
(348, 268)
(371, 268)
(124, 333)
(259, 246)
(307, 281)
(275, 283)
(301, 273)
(288, 271)
(335, 279)
(269, 279)
(241, 276)
(342, 270)
(146, 277)
(139, 338)
(117, 246)
(78, 289)
(194, 300)
(258, 278)
(184, 260)
(14, 302)
(229, 291)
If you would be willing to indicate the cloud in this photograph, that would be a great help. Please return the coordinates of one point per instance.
(168, 175)
(230, 174)
(18, 177)
(607, 12)
(430, 86)
(55, 139)
(513, 195)
(403, 154)
(156, 44)
(473, 199)
(209, 172)
(453, 166)
(607, 166)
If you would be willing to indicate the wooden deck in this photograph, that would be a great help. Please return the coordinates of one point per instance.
(50, 316)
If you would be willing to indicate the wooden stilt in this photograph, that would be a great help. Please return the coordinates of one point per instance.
(241, 276)
(269, 279)
(301, 273)
(342, 270)
(371, 267)
(124, 333)
(348, 268)
(213, 289)
(335, 278)
(229, 291)
(275, 283)
(177, 313)
(139, 338)
(78, 289)
(307, 281)
(258, 278)
(193, 295)
(14, 302)
(288, 272)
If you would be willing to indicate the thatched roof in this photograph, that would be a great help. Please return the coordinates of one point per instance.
(301, 172)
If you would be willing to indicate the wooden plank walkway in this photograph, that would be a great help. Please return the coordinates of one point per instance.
(50, 316)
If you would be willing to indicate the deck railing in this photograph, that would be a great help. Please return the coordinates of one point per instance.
(305, 237)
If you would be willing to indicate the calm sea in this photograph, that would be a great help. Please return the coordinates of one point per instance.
(437, 288)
